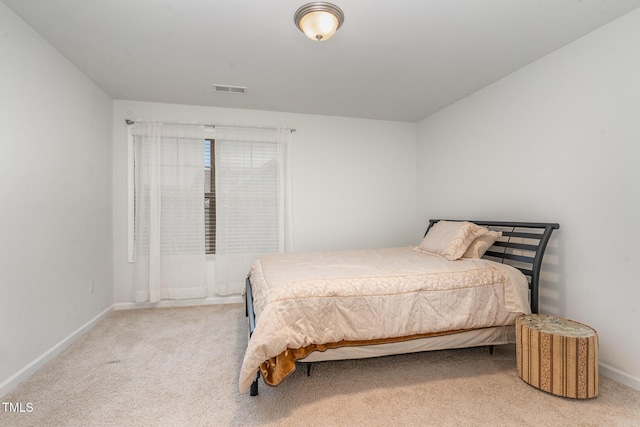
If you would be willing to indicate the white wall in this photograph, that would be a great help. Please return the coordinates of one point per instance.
(557, 141)
(354, 180)
(55, 199)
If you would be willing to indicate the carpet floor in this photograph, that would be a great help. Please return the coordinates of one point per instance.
(179, 367)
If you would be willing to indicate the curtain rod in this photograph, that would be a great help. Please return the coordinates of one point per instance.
(131, 122)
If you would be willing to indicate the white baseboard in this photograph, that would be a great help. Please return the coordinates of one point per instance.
(24, 373)
(233, 299)
(619, 376)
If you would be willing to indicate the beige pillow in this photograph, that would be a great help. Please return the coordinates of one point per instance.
(450, 239)
(479, 246)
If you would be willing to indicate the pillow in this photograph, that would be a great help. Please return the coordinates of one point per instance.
(479, 246)
(450, 238)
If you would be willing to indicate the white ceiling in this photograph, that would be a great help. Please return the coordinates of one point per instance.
(391, 60)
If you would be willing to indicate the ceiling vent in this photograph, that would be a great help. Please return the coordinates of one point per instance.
(229, 89)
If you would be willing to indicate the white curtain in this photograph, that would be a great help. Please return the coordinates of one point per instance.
(169, 244)
(253, 203)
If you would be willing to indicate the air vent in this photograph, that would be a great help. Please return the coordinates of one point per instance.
(229, 89)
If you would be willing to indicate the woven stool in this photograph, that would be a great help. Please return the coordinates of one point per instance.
(557, 355)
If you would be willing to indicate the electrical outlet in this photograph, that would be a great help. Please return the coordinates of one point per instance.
(92, 286)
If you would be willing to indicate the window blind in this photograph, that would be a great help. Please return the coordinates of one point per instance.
(209, 196)
(247, 194)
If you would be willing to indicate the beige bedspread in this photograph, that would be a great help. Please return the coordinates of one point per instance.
(301, 299)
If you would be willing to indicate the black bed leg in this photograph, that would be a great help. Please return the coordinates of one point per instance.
(308, 369)
(253, 391)
(491, 349)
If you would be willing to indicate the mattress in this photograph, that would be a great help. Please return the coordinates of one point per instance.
(305, 299)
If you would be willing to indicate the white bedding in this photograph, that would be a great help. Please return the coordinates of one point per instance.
(326, 297)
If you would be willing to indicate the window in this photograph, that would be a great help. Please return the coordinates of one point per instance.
(208, 193)
(210, 196)
(249, 167)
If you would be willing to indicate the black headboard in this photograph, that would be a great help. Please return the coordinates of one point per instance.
(522, 245)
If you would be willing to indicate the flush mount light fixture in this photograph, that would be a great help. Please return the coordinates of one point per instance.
(319, 20)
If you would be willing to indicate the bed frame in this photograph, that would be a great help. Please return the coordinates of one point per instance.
(522, 246)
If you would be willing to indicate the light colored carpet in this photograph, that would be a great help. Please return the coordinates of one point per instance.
(179, 367)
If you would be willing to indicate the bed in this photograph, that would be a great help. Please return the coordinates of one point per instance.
(463, 286)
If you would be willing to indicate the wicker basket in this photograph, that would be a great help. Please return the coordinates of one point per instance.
(557, 355)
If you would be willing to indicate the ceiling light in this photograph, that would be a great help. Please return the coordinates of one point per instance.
(319, 20)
